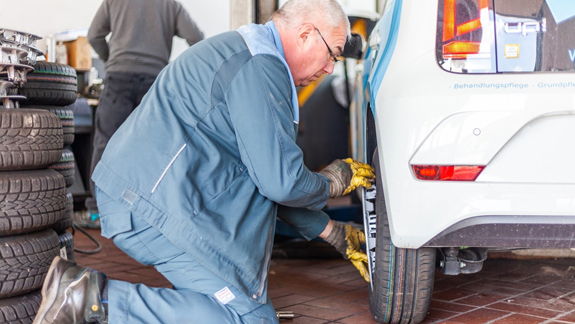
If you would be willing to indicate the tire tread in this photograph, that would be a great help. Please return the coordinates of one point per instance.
(403, 278)
(20, 309)
(24, 261)
(30, 200)
(50, 84)
(29, 139)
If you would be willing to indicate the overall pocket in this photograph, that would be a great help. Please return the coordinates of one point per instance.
(115, 217)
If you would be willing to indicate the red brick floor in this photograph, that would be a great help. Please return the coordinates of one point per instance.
(331, 291)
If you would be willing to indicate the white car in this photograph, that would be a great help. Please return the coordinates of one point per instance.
(466, 108)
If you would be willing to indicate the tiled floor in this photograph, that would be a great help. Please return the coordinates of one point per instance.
(329, 290)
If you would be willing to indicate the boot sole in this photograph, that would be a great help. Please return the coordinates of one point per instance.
(48, 299)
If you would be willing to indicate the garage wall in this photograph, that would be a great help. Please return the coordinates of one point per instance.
(44, 17)
(353, 7)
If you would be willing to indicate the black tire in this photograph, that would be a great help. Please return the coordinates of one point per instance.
(402, 279)
(51, 68)
(66, 166)
(29, 139)
(30, 200)
(48, 93)
(20, 309)
(24, 261)
(50, 84)
(67, 245)
(66, 222)
(66, 115)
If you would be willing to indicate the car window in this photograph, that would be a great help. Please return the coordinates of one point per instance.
(489, 36)
(535, 35)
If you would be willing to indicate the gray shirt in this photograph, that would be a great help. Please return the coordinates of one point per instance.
(142, 33)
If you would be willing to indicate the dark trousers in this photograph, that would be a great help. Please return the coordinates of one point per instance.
(122, 93)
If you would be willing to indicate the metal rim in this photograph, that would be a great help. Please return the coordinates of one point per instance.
(370, 227)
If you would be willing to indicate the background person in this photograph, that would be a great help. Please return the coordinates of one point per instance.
(139, 48)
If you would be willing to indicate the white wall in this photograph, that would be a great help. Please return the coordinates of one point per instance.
(213, 17)
(44, 17)
(353, 7)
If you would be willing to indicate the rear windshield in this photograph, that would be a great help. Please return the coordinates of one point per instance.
(490, 36)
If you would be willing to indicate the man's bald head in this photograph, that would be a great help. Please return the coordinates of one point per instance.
(312, 33)
(325, 13)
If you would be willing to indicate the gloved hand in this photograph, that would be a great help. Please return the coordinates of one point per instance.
(362, 173)
(347, 240)
(346, 175)
(339, 174)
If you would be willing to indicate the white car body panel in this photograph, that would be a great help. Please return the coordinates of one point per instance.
(520, 126)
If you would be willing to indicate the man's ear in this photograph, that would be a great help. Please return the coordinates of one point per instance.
(304, 33)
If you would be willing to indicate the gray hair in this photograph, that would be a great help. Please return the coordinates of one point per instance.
(326, 12)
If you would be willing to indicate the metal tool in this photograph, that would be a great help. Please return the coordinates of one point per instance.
(285, 314)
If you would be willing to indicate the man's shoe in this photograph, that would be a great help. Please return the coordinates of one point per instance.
(71, 294)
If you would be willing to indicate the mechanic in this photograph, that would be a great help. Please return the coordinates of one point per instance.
(138, 49)
(192, 182)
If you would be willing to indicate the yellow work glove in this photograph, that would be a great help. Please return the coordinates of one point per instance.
(347, 240)
(346, 175)
(358, 258)
(362, 174)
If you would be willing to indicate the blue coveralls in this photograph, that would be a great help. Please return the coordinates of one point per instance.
(192, 182)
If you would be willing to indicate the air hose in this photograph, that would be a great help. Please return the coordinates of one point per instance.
(98, 245)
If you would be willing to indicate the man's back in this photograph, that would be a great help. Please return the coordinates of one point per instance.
(142, 33)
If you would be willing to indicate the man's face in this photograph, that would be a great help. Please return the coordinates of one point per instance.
(315, 58)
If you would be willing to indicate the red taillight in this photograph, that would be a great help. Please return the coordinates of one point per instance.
(456, 47)
(447, 172)
(460, 50)
(468, 27)
(448, 20)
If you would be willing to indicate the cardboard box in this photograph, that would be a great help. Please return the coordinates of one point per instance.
(79, 53)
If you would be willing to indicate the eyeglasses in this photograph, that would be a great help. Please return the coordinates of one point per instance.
(333, 58)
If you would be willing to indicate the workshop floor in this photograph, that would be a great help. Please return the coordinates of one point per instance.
(320, 290)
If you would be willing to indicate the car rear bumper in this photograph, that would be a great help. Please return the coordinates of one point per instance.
(509, 232)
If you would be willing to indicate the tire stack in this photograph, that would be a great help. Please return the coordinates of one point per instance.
(33, 197)
(52, 87)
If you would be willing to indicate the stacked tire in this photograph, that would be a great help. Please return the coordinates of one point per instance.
(53, 87)
(35, 206)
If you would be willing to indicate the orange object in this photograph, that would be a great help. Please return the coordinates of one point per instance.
(79, 54)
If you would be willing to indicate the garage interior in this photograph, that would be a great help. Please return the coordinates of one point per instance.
(308, 281)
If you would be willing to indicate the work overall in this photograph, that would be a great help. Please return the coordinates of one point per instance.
(193, 181)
